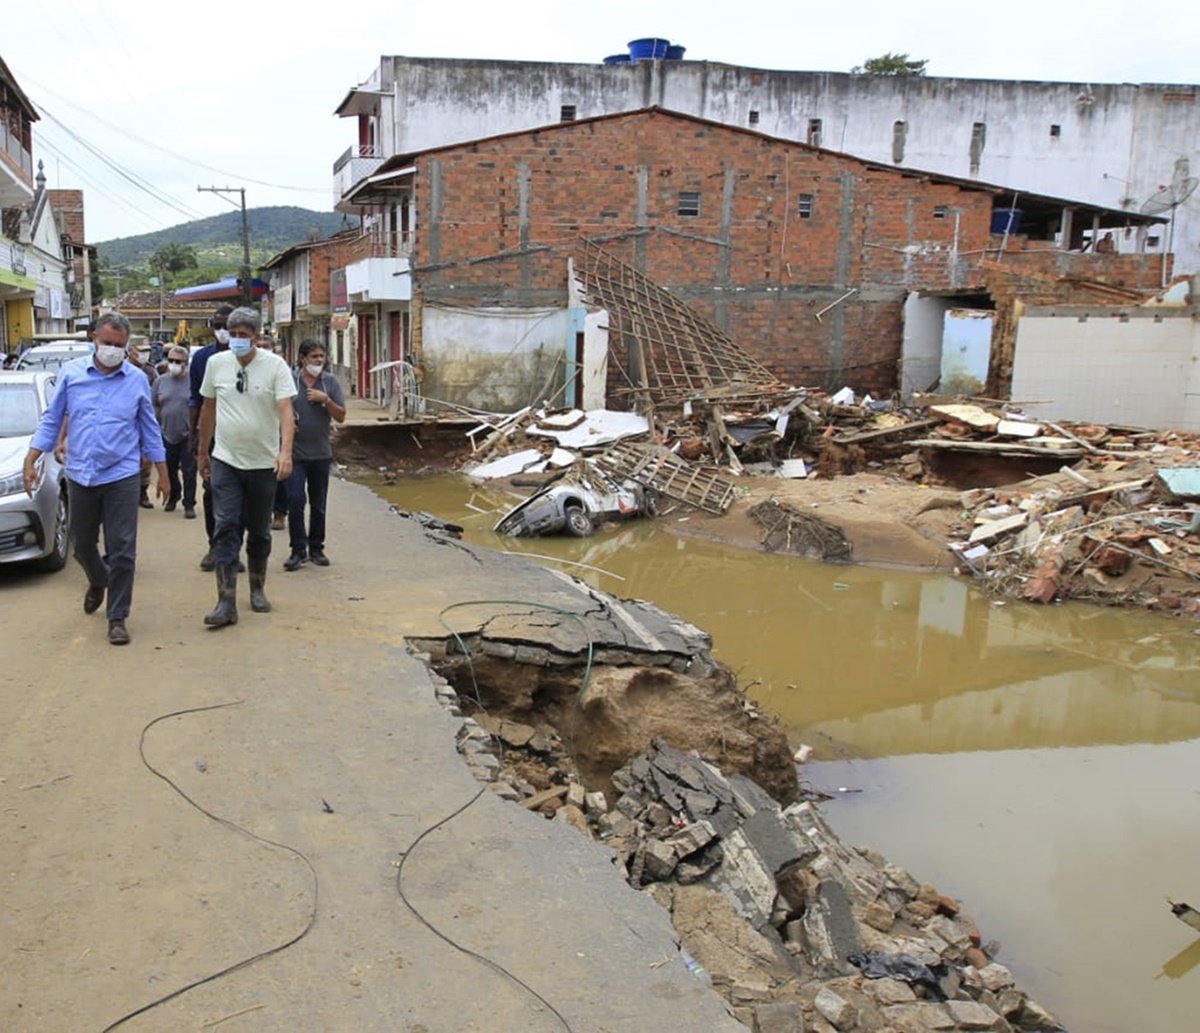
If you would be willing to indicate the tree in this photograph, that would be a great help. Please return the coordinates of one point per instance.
(890, 64)
(174, 258)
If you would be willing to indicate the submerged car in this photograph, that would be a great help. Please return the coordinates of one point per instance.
(575, 506)
(32, 529)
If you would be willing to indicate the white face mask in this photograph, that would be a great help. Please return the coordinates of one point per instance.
(221, 335)
(176, 368)
(313, 371)
(240, 346)
(110, 356)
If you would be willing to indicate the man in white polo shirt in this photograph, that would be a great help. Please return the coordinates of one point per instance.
(247, 392)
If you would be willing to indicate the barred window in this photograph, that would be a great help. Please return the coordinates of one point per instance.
(804, 206)
(689, 202)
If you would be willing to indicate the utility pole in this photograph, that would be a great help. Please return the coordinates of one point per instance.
(246, 278)
(116, 274)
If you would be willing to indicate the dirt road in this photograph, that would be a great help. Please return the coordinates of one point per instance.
(116, 891)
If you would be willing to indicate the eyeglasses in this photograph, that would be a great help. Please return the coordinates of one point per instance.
(241, 381)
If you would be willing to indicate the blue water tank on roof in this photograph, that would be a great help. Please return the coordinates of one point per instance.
(650, 47)
(675, 52)
(618, 59)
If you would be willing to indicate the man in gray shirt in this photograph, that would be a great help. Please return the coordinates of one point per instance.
(170, 394)
(319, 400)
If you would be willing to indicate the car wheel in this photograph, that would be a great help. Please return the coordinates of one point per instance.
(579, 524)
(57, 557)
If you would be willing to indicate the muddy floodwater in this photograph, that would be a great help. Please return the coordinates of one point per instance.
(1041, 764)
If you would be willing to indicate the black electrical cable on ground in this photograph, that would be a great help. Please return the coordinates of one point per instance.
(587, 674)
(312, 918)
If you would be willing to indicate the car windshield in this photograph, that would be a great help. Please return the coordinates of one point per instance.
(18, 410)
(46, 360)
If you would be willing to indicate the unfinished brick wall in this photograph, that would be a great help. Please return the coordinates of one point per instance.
(1029, 274)
(783, 231)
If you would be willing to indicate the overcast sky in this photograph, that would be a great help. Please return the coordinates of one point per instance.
(180, 95)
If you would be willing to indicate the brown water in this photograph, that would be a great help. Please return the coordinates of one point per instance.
(1041, 764)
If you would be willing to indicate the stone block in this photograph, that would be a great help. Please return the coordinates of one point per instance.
(917, 1018)
(778, 1017)
(1034, 1017)
(891, 991)
(996, 977)
(595, 804)
(659, 860)
(878, 916)
(902, 880)
(695, 837)
(573, 816)
(839, 1012)
(830, 931)
(779, 846)
(970, 1015)
(575, 795)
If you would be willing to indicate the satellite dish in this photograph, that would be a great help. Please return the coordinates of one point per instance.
(1168, 198)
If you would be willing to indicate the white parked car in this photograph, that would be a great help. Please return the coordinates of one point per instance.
(53, 354)
(33, 529)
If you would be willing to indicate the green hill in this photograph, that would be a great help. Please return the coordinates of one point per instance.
(271, 230)
(124, 263)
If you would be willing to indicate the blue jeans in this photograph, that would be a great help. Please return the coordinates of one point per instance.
(311, 476)
(241, 495)
(113, 506)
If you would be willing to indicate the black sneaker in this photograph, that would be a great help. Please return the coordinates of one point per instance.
(170, 506)
(294, 561)
(189, 512)
(318, 557)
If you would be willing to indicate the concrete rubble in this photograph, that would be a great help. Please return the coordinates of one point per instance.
(1048, 511)
(795, 930)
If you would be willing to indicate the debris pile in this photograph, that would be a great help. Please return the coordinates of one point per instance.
(1115, 531)
(792, 928)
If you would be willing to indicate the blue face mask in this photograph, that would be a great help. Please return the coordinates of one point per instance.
(240, 346)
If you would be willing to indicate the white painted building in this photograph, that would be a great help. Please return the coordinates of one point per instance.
(1120, 145)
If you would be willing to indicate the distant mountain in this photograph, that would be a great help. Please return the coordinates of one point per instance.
(271, 230)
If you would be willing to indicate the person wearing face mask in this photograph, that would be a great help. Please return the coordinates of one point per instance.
(319, 400)
(279, 511)
(247, 394)
(196, 378)
(112, 428)
(170, 394)
(139, 355)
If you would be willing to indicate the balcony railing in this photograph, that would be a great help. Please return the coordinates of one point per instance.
(18, 156)
(353, 166)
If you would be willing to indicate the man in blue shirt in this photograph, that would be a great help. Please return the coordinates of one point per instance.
(112, 427)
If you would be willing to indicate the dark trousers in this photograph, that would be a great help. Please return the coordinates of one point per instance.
(181, 461)
(309, 476)
(241, 495)
(281, 496)
(113, 506)
(210, 521)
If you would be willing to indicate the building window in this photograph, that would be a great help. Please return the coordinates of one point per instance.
(689, 202)
(1055, 131)
(978, 139)
(899, 138)
(940, 211)
(804, 206)
(754, 118)
(568, 113)
(814, 132)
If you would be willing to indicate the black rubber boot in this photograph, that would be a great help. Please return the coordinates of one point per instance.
(225, 611)
(258, 578)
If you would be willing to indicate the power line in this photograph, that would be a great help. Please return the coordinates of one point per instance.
(190, 160)
(135, 180)
(44, 143)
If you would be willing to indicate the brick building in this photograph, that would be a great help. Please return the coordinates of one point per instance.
(806, 257)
